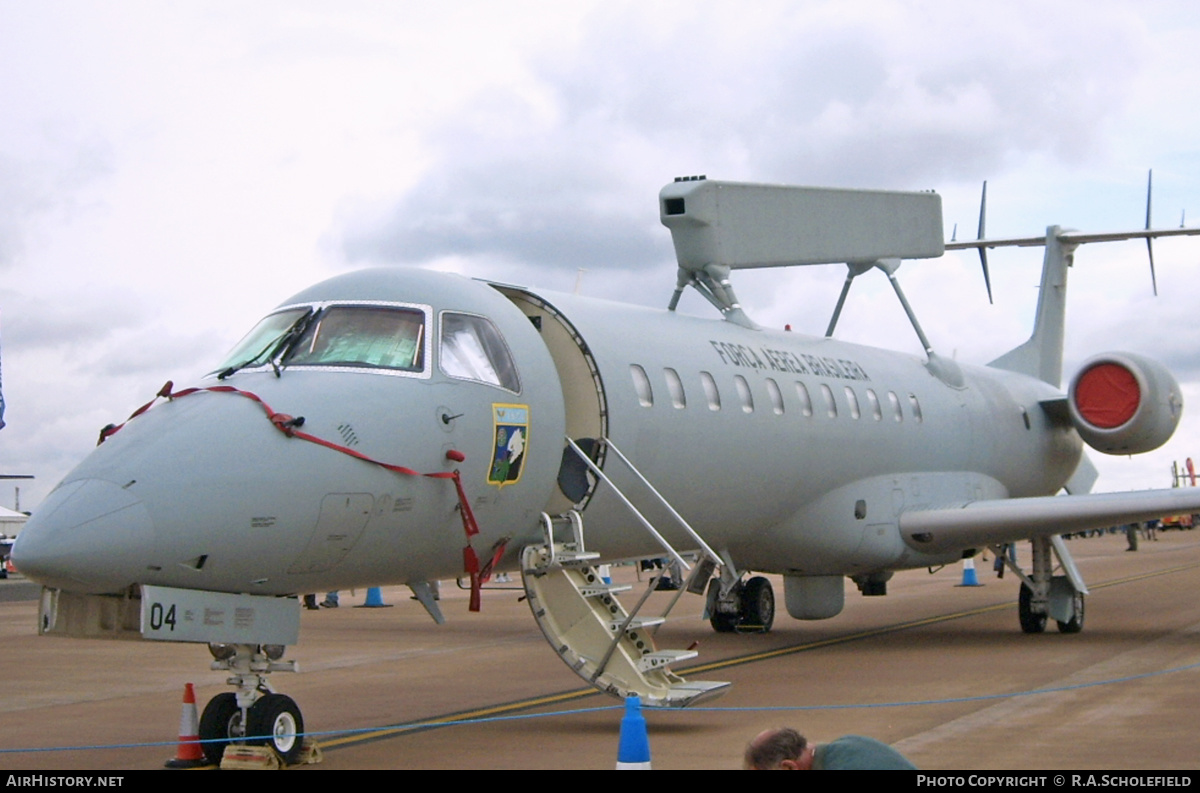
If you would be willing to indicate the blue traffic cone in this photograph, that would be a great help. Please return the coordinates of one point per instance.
(634, 751)
(374, 599)
(969, 578)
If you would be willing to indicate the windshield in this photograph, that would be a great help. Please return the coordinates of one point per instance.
(257, 347)
(362, 336)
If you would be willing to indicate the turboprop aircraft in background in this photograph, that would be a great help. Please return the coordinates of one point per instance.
(401, 426)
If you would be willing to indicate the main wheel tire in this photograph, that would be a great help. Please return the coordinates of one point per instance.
(220, 722)
(758, 605)
(1030, 622)
(1075, 624)
(721, 622)
(275, 721)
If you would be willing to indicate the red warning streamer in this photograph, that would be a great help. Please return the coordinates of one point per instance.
(290, 426)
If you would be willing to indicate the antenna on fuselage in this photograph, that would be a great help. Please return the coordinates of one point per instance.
(718, 227)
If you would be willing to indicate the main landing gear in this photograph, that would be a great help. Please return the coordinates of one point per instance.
(255, 714)
(746, 607)
(1044, 595)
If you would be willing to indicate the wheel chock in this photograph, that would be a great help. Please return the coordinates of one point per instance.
(310, 753)
(250, 758)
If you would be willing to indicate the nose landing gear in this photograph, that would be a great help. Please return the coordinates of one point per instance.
(254, 714)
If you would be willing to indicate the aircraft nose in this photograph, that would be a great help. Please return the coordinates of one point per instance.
(89, 535)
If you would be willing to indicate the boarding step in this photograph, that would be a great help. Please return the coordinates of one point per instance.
(565, 555)
(663, 658)
(575, 558)
(637, 623)
(600, 589)
(581, 618)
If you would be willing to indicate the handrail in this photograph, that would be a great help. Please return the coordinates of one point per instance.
(653, 532)
(709, 552)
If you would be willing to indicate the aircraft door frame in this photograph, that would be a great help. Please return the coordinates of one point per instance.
(584, 399)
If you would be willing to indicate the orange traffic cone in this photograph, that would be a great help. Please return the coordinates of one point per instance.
(189, 754)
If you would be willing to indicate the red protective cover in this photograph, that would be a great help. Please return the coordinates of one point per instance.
(1107, 395)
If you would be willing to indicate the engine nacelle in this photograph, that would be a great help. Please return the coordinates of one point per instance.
(1122, 403)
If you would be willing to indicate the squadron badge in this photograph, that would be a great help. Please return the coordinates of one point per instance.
(511, 426)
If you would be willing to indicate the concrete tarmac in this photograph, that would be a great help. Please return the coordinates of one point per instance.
(939, 670)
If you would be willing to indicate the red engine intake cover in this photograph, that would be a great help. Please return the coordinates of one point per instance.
(1107, 395)
(1122, 403)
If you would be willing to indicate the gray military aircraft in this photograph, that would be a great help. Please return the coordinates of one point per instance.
(440, 427)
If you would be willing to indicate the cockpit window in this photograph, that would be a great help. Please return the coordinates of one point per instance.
(263, 341)
(472, 349)
(362, 336)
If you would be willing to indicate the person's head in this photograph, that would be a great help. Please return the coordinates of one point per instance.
(778, 749)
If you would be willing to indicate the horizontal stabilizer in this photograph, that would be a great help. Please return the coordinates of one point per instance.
(979, 523)
(1073, 238)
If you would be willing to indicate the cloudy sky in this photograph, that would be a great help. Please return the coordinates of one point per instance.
(170, 171)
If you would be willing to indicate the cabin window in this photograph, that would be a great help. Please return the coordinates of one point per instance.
(675, 388)
(710, 391)
(264, 340)
(372, 337)
(641, 384)
(743, 389)
(805, 401)
(852, 399)
(830, 404)
(876, 409)
(776, 396)
(916, 408)
(897, 413)
(473, 349)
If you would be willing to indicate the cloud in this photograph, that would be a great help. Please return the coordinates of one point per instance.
(561, 171)
(47, 179)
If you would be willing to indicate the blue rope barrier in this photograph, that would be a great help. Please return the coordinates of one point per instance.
(423, 725)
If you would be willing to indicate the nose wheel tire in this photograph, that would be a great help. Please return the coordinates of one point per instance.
(220, 723)
(275, 721)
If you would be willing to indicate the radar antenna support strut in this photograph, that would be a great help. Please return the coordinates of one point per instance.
(889, 267)
(712, 281)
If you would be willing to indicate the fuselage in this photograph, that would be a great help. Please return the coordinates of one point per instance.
(791, 453)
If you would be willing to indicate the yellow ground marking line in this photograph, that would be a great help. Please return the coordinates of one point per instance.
(568, 696)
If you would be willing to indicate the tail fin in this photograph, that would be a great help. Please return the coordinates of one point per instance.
(1041, 356)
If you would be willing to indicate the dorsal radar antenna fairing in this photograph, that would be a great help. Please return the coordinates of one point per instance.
(718, 227)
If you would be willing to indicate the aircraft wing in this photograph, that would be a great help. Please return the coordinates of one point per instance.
(978, 523)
